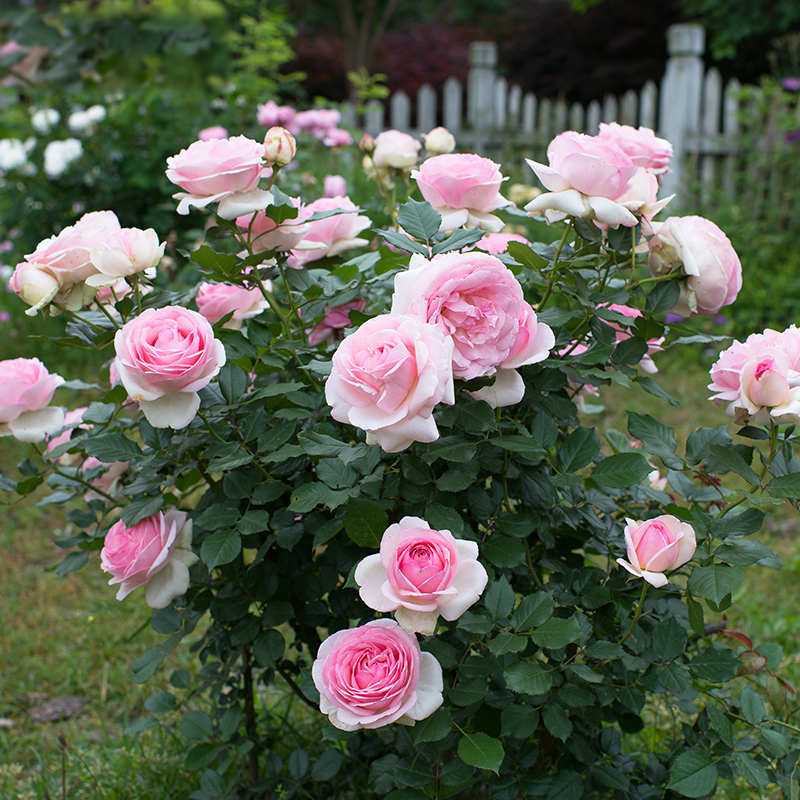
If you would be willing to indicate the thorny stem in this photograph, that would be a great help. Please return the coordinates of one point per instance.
(638, 612)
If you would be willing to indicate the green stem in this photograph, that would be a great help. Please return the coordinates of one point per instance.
(210, 429)
(553, 270)
(107, 313)
(638, 612)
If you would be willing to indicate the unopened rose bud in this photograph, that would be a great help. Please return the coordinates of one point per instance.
(367, 143)
(279, 147)
(439, 141)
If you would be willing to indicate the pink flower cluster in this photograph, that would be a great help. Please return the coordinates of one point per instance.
(95, 252)
(321, 123)
(759, 379)
(610, 178)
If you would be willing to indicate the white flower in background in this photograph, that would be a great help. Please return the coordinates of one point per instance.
(44, 119)
(58, 155)
(13, 154)
(80, 120)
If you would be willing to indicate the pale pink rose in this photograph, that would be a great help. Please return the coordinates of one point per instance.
(421, 573)
(641, 144)
(464, 188)
(59, 267)
(271, 114)
(580, 391)
(334, 186)
(656, 481)
(477, 301)
(374, 675)
(337, 137)
(439, 142)
(26, 390)
(164, 357)
(702, 253)
(156, 553)
(264, 233)
(279, 146)
(622, 333)
(336, 318)
(215, 300)
(214, 132)
(497, 243)
(395, 150)
(585, 178)
(316, 121)
(657, 545)
(108, 481)
(125, 252)
(72, 420)
(224, 171)
(641, 195)
(388, 376)
(759, 378)
(336, 233)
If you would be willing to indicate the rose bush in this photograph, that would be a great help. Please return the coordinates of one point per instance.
(402, 430)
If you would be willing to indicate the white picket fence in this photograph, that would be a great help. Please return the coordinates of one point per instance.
(691, 108)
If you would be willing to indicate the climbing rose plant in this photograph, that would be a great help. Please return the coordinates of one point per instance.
(361, 475)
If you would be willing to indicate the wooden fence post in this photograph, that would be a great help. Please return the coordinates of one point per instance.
(481, 91)
(680, 98)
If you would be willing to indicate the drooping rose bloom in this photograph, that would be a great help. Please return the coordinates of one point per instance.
(395, 150)
(421, 573)
(585, 177)
(335, 319)
(702, 253)
(374, 675)
(335, 234)
(759, 378)
(388, 376)
(215, 300)
(464, 188)
(641, 144)
(26, 390)
(164, 357)
(224, 171)
(475, 299)
(156, 553)
(59, 266)
(657, 545)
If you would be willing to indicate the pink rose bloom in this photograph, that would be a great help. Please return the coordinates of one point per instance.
(704, 255)
(215, 300)
(317, 121)
(395, 150)
(622, 333)
(374, 675)
(214, 132)
(337, 137)
(388, 376)
(641, 144)
(107, 481)
(271, 114)
(497, 243)
(266, 234)
(585, 177)
(641, 195)
(580, 391)
(439, 141)
(72, 420)
(759, 378)
(476, 300)
(335, 234)
(156, 553)
(657, 545)
(421, 573)
(26, 390)
(464, 189)
(224, 171)
(336, 318)
(126, 252)
(59, 267)
(164, 357)
(334, 186)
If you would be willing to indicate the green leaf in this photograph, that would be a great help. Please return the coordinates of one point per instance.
(669, 639)
(752, 706)
(145, 666)
(695, 615)
(518, 721)
(458, 240)
(673, 678)
(197, 725)
(222, 263)
(785, 486)
(499, 599)
(699, 442)
(721, 724)
(451, 448)
(268, 647)
(653, 388)
(715, 581)
(622, 469)
(693, 774)
(327, 765)
(612, 777)
(715, 664)
(110, 447)
(141, 508)
(730, 458)
(221, 548)
(432, 728)
(656, 437)
(403, 242)
(557, 721)
(482, 751)
(232, 382)
(663, 297)
(503, 551)
(524, 445)
(527, 256)
(533, 610)
(365, 522)
(525, 678)
(419, 219)
(744, 524)
(216, 517)
(557, 632)
(752, 771)
(310, 495)
(160, 702)
(506, 642)
(71, 562)
(578, 450)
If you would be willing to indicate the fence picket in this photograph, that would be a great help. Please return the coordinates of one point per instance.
(453, 105)
(529, 114)
(731, 130)
(593, 115)
(710, 130)
(426, 108)
(648, 105)
(576, 117)
(610, 108)
(629, 109)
